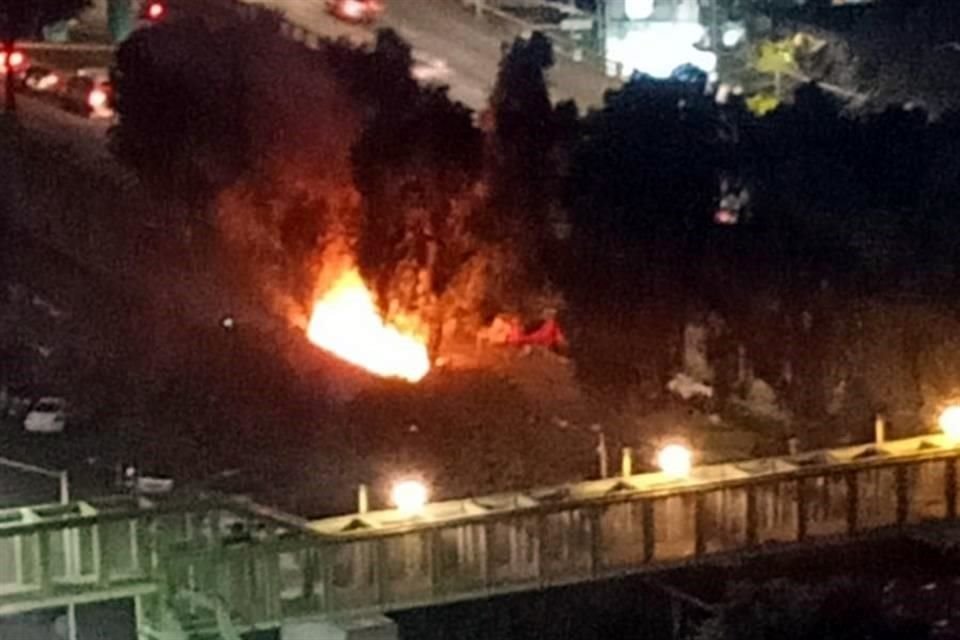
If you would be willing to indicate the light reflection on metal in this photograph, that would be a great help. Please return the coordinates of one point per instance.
(949, 422)
(675, 460)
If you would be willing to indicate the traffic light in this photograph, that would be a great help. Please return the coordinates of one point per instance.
(156, 11)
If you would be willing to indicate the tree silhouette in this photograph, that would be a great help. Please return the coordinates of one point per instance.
(521, 141)
(416, 165)
(644, 176)
(181, 108)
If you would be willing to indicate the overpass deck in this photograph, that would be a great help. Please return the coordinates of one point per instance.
(232, 563)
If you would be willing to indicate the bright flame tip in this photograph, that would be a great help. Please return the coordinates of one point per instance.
(346, 322)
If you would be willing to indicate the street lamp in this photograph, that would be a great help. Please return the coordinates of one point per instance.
(410, 497)
(949, 422)
(675, 460)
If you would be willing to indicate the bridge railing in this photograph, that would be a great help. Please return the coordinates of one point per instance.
(565, 539)
(116, 547)
(265, 568)
(63, 553)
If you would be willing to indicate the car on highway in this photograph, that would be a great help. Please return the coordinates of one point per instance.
(430, 69)
(356, 11)
(40, 79)
(89, 93)
(48, 415)
(150, 484)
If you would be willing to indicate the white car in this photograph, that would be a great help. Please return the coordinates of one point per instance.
(356, 11)
(41, 80)
(429, 69)
(48, 415)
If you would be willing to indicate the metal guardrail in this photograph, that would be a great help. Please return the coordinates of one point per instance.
(252, 10)
(603, 529)
(287, 28)
(564, 45)
(66, 46)
(512, 26)
(92, 551)
(274, 567)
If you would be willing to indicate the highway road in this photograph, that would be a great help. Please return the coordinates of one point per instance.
(82, 235)
(122, 244)
(444, 33)
(105, 224)
(84, 137)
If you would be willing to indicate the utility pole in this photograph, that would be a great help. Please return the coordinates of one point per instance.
(64, 480)
(715, 27)
(363, 499)
(602, 455)
(602, 28)
(626, 462)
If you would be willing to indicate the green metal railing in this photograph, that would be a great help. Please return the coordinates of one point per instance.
(259, 567)
(49, 557)
(621, 532)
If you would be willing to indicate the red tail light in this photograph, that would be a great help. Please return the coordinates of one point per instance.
(98, 99)
(354, 8)
(17, 59)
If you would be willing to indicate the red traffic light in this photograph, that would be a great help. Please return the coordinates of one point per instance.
(156, 10)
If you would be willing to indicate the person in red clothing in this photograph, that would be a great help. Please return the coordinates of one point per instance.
(549, 335)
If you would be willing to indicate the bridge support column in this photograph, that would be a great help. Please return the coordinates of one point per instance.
(366, 628)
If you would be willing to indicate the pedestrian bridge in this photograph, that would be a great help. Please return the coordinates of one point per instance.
(226, 565)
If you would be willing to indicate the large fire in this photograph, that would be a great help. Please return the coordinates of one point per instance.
(346, 322)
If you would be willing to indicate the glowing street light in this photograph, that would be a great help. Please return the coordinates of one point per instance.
(949, 422)
(675, 460)
(409, 497)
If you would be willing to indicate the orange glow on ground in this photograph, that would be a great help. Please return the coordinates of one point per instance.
(346, 322)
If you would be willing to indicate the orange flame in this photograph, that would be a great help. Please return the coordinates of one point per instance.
(345, 321)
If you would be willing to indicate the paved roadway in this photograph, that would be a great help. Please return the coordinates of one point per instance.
(82, 136)
(138, 240)
(92, 251)
(119, 248)
(442, 30)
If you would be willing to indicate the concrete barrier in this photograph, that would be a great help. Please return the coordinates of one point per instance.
(66, 46)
